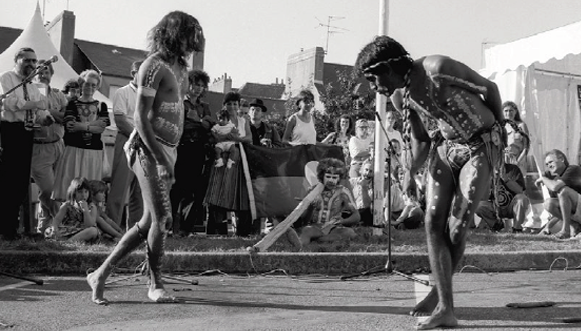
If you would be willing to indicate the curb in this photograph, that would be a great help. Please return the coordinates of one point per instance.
(77, 263)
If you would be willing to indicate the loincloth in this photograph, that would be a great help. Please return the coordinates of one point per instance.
(457, 154)
(135, 149)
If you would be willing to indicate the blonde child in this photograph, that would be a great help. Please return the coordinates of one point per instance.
(76, 217)
(223, 128)
(99, 190)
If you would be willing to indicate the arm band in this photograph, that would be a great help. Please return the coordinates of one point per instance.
(146, 91)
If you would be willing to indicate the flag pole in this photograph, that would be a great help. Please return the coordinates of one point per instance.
(380, 138)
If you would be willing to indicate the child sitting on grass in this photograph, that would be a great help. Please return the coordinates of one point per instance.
(76, 218)
(99, 190)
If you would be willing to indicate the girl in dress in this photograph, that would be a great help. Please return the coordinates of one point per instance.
(76, 219)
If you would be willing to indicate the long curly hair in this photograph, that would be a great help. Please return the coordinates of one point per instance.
(330, 164)
(168, 36)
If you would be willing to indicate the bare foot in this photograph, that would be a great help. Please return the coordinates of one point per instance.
(426, 306)
(160, 295)
(562, 235)
(97, 284)
(439, 319)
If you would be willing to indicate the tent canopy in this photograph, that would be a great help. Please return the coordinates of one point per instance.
(542, 74)
(545, 47)
(36, 37)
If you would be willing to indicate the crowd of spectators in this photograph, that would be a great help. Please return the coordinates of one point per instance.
(60, 145)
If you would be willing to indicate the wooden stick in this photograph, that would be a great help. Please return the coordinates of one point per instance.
(283, 226)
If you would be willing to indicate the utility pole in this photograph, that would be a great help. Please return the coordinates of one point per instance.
(380, 138)
(329, 27)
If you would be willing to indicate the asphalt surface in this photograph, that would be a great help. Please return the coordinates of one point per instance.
(277, 301)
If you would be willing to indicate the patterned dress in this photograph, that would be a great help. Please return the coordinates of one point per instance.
(83, 154)
(73, 221)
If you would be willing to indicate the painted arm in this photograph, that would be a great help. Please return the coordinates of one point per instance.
(151, 79)
(420, 138)
(444, 70)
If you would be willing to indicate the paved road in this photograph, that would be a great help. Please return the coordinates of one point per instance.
(279, 302)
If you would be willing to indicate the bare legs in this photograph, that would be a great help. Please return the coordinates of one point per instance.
(157, 211)
(447, 238)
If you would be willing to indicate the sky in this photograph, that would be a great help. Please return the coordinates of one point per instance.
(251, 40)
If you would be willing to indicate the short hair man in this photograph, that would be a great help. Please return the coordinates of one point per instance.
(48, 147)
(123, 180)
(23, 109)
(461, 158)
(159, 115)
(563, 180)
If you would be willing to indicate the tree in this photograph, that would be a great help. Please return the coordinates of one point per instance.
(345, 96)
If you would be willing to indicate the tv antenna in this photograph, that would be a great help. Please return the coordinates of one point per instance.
(330, 28)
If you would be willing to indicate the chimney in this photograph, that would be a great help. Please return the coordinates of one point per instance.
(62, 34)
(305, 69)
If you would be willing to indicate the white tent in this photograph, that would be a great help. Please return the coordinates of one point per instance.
(542, 74)
(36, 37)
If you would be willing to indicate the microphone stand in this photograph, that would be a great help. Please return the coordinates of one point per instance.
(389, 266)
(26, 80)
(29, 120)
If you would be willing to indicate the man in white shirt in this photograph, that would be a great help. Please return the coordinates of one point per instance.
(123, 180)
(23, 109)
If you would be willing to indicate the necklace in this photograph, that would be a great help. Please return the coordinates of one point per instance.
(407, 127)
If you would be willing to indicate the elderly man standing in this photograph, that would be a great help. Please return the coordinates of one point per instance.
(123, 180)
(22, 107)
(48, 147)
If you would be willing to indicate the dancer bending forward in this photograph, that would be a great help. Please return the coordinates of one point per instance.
(461, 155)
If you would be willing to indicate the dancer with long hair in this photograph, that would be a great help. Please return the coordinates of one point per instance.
(151, 149)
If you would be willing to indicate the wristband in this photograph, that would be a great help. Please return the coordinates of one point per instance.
(88, 127)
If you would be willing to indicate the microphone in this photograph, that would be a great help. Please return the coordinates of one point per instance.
(46, 63)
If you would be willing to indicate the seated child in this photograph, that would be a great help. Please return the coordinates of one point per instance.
(99, 192)
(220, 130)
(76, 217)
(363, 192)
(406, 211)
(326, 221)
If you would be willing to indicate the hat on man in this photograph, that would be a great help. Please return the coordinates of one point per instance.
(258, 103)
